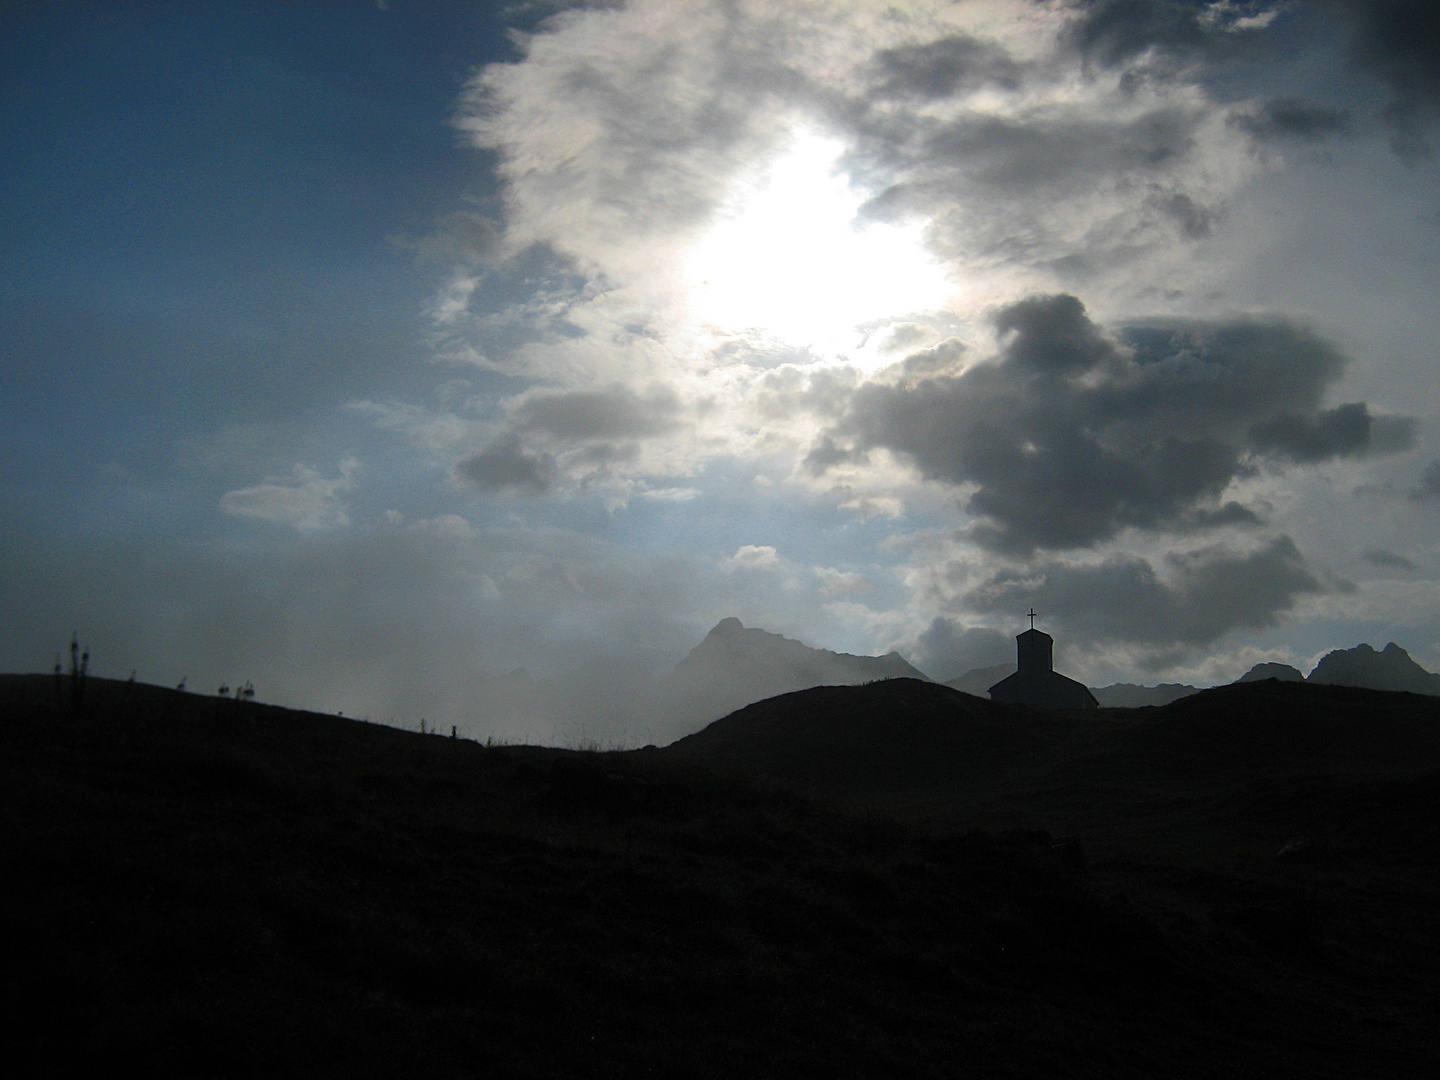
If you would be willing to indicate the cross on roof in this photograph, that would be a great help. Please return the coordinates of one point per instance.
(1031, 613)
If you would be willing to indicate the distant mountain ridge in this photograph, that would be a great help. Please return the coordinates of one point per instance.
(1132, 696)
(735, 665)
(1390, 669)
(1283, 672)
(979, 680)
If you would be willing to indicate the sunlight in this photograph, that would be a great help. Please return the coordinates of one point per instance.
(788, 258)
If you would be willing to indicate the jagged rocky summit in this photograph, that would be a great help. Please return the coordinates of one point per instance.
(736, 665)
(1389, 669)
(1283, 672)
(735, 651)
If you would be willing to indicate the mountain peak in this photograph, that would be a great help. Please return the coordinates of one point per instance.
(1390, 669)
(736, 665)
(1268, 670)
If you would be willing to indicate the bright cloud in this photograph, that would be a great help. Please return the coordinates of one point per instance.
(308, 502)
(938, 264)
(790, 257)
(752, 557)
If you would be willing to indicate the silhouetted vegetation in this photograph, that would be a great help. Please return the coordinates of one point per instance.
(215, 887)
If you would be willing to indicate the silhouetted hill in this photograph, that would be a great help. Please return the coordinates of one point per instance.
(1283, 672)
(735, 665)
(1390, 669)
(1244, 884)
(907, 736)
(1298, 820)
(195, 886)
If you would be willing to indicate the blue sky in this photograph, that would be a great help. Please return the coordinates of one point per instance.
(371, 351)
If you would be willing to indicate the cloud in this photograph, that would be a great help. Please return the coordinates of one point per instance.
(582, 436)
(462, 238)
(1072, 434)
(308, 503)
(1090, 178)
(1200, 597)
(1291, 118)
(1428, 489)
(942, 358)
(752, 557)
(624, 136)
(669, 494)
(444, 529)
(835, 582)
(1114, 33)
(1344, 430)
(616, 412)
(946, 650)
(943, 68)
(505, 465)
(1388, 559)
(1398, 42)
(870, 507)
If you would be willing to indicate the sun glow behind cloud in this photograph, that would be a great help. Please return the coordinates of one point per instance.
(790, 259)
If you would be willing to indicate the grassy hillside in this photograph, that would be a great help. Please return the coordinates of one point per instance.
(203, 887)
(1292, 831)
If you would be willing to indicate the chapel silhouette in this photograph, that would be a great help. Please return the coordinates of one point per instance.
(1037, 682)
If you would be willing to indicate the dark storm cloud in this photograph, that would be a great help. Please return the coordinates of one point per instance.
(1113, 33)
(1346, 429)
(588, 428)
(939, 359)
(1195, 221)
(1291, 118)
(1388, 559)
(1052, 335)
(1232, 513)
(1010, 188)
(1124, 599)
(1428, 490)
(1035, 152)
(945, 67)
(827, 453)
(1398, 41)
(505, 465)
(616, 412)
(1073, 434)
(946, 650)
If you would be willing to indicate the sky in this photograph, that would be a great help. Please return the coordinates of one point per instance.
(372, 351)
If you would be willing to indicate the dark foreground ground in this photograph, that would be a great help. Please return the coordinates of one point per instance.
(1243, 887)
